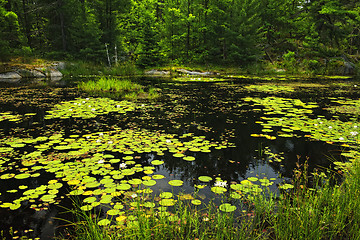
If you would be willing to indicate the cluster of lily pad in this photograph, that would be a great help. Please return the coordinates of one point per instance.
(199, 79)
(346, 106)
(101, 165)
(273, 157)
(88, 108)
(295, 117)
(8, 116)
(269, 88)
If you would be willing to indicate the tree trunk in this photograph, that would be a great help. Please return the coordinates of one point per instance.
(26, 23)
(62, 26)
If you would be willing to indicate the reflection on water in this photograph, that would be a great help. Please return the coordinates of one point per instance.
(213, 110)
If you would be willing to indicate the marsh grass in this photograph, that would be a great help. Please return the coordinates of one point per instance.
(311, 210)
(118, 88)
(82, 68)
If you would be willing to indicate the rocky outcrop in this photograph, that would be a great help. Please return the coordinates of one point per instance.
(10, 75)
(25, 73)
(19, 72)
(154, 72)
(195, 73)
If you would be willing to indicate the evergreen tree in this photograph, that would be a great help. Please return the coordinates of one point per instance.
(10, 36)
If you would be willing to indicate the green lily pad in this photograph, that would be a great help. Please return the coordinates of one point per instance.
(167, 202)
(76, 192)
(123, 186)
(135, 181)
(104, 222)
(92, 184)
(22, 176)
(7, 176)
(149, 204)
(166, 195)
(189, 158)
(196, 202)
(15, 206)
(227, 207)
(218, 190)
(286, 186)
(86, 207)
(178, 155)
(205, 178)
(235, 195)
(157, 162)
(113, 212)
(89, 200)
(253, 179)
(176, 183)
(158, 176)
(149, 183)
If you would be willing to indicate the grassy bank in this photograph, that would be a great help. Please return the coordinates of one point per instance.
(81, 68)
(285, 67)
(117, 88)
(325, 211)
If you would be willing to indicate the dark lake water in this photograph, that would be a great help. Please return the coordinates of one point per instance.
(216, 112)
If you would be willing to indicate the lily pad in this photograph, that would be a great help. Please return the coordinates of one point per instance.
(149, 182)
(157, 162)
(196, 202)
(205, 178)
(227, 207)
(166, 195)
(176, 183)
(218, 190)
(167, 202)
(104, 222)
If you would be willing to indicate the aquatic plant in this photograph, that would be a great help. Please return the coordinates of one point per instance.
(88, 108)
(119, 88)
(270, 88)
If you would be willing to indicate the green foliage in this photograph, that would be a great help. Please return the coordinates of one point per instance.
(82, 68)
(9, 31)
(116, 88)
(289, 61)
(151, 32)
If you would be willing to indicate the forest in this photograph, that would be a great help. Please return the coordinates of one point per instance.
(156, 32)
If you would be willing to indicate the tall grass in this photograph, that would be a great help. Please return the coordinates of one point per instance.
(81, 68)
(118, 88)
(322, 211)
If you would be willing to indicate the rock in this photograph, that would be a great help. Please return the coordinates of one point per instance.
(59, 65)
(51, 72)
(10, 75)
(184, 71)
(348, 68)
(25, 73)
(157, 72)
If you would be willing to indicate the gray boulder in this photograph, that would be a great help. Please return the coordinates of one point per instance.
(25, 73)
(10, 75)
(59, 65)
(194, 73)
(53, 73)
(157, 72)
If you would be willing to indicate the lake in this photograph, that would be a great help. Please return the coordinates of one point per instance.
(211, 137)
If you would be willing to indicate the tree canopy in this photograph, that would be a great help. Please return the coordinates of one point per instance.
(152, 32)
